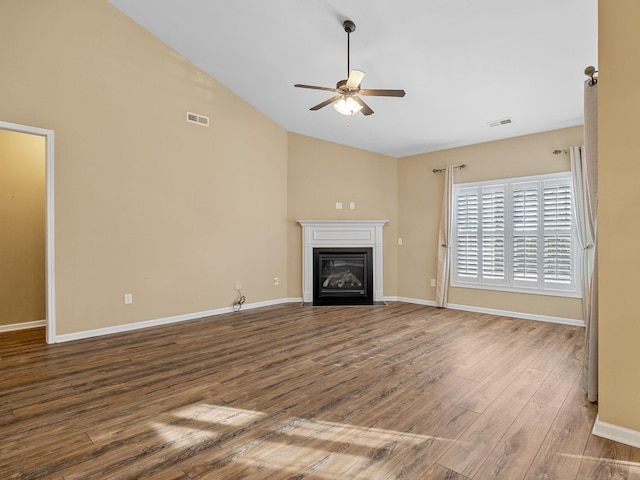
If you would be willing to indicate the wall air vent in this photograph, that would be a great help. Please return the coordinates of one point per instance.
(498, 123)
(199, 119)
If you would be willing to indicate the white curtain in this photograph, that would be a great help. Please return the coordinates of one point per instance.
(583, 222)
(586, 239)
(444, 236)
(584, 169)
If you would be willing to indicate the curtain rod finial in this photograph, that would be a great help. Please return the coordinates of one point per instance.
(590, 72)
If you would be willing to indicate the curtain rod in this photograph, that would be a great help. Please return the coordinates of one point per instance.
(438, 170)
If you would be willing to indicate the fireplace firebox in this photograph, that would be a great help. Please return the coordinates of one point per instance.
(342, 276)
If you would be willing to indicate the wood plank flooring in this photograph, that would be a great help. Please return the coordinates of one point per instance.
(379, 392)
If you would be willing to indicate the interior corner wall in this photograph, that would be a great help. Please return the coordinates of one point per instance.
(419, 205)
(22, 228)
(618, 219)
(321, 174)
(145, 203)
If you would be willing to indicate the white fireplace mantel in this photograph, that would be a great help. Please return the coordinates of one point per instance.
(341, 233)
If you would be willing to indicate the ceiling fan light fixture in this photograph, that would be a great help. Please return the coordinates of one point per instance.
(347, 106)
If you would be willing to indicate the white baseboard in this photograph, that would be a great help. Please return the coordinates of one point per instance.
(492, 311)
(161, 321)
(416, 301)
(210, 313)
(23, 326)
(616, 433)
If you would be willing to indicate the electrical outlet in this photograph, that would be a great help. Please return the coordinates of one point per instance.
(433, 282)
(238, 285)
(128, 298)
(276, 281)
(399, 240)
(338, 205)
(352, 205)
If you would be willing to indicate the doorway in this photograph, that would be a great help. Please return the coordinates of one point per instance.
(50, 309)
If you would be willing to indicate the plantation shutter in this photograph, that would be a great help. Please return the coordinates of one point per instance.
(493, 230)
(526, 222)
(468, 234)
(558, 270)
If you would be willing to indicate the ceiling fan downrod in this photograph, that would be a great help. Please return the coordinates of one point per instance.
(349, 27)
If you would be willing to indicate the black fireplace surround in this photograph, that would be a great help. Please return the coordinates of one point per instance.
(342, 276)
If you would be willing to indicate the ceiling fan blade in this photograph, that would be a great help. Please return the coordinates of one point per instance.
(366, 110)
(299, 85)
(382, 93)
(326, 102)
(355, 77)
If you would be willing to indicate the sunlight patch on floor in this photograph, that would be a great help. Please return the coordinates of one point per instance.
(218, 414)
(295, 443)
(634, 466)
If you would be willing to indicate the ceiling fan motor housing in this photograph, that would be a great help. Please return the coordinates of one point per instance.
(342, 86)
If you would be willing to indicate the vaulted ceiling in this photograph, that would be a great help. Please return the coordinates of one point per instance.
(463, 63)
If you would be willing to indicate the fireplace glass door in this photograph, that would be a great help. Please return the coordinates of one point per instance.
(343, 276)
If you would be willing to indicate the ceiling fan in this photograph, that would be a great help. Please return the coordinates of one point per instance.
(347, 102)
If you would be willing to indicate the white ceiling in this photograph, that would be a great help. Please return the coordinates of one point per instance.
(463, 63)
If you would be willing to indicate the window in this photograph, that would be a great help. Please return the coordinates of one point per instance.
(516, 235)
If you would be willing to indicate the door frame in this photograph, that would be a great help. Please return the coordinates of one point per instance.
(49, 223)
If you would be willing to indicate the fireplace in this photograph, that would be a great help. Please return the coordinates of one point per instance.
(342, 276)
(344, 238)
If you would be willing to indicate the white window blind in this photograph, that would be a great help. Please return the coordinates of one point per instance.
(526, 229)
(468, 236)
(516, 234)
(493, 231)
(558, 255)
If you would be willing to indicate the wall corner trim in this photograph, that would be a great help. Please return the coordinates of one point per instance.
(616, 433)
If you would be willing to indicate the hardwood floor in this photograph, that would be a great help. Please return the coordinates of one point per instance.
(386, 392)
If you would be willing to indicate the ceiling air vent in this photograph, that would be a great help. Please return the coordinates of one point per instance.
(498, 123)
(199, 119)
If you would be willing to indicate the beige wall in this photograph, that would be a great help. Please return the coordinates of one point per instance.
(22, 228)
(618, 217)
(144, 202)
(420, 200)
(323, 173)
